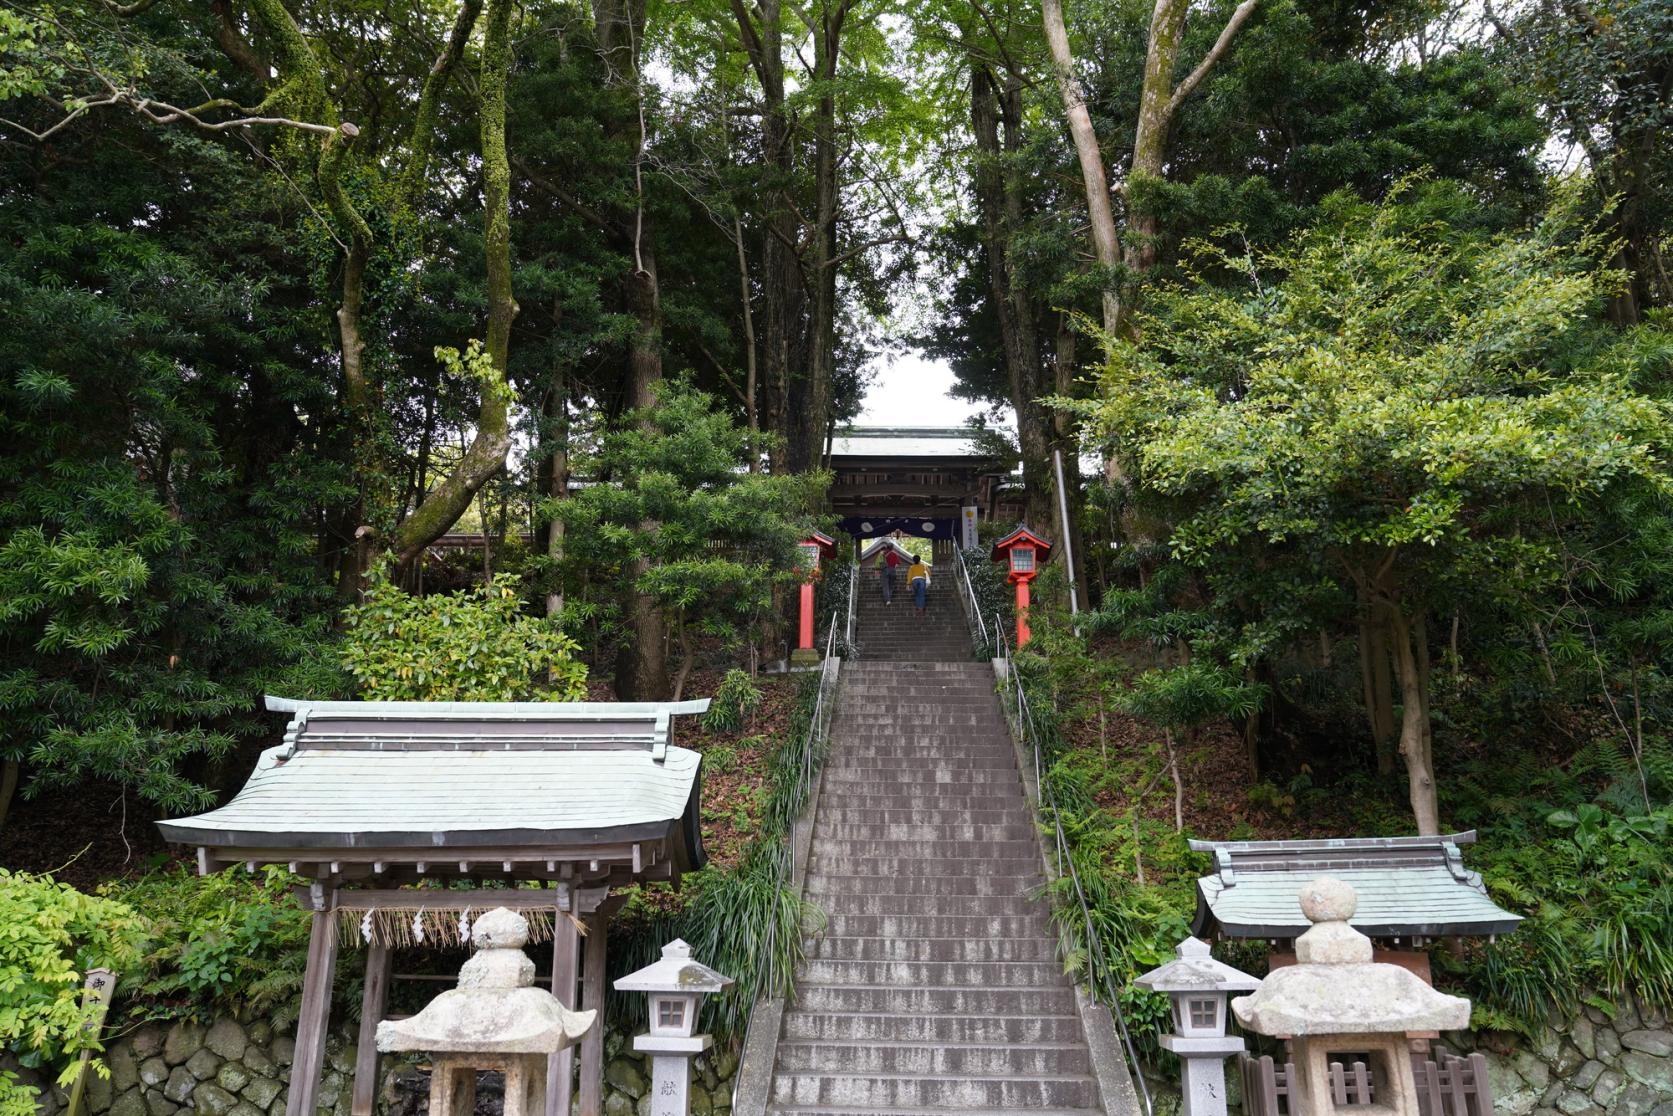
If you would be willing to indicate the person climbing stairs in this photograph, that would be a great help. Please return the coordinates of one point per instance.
(896, 633)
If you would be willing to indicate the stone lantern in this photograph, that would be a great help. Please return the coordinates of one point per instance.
(1337, 1005)
(810, 551)
(1199, 987)
(676, 985)
(1022, 551)
(494, 1020)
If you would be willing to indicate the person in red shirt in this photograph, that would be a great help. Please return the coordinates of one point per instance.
(886, 573)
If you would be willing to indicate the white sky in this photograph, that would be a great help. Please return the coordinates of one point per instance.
(909, 390)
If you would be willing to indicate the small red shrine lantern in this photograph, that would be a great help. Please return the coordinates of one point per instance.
(1023, 552)
(812, 550)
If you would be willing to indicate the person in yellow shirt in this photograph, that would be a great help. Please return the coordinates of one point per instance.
(918, 578)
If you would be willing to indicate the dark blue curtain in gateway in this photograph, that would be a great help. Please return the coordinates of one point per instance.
(871, 527)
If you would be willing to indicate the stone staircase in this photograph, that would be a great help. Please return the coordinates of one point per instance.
(897, 633)
(935, 987)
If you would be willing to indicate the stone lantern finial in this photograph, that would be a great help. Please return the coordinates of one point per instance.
(1328, 905)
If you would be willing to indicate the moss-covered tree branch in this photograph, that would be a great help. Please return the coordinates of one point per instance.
(485, 457)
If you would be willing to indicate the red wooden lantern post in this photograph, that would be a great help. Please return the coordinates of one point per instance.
(812, 549)
(1023, 551)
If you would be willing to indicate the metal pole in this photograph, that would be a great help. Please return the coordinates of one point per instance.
(1068, 545)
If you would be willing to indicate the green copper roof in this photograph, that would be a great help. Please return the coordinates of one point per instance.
(906, 441)
(1408, 887)
(456, 774)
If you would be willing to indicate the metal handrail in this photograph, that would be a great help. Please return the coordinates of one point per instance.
(853, 587)
(819, 726)
(1066, 862)
(973, 610)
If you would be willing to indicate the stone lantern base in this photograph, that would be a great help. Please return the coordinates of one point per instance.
(671, 1057)
(1387, 1059)
(453, 1082)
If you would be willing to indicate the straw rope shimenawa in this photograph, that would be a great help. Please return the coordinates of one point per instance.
(402, 927)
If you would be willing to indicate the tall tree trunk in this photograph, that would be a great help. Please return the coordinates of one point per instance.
(1378, 682)
(782, 285)
(999, 210)
(1159, 101)
(822, 267)
(1411, 656)
(642, 661)
(1094, 180)
(9, 772)
(752, 416)
(557, 476)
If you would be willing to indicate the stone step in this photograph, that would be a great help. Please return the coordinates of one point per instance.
(818, 1110)
(907, 681)
(933, 974)
(931, 769)
(935, 796)
(800, 1025)
(937, 926)
(939, 743)
(914, 738)
(977, 706)
(927, 668)
(910, 739)
(828, 948)
(832, 862)
(936, 1058)
(819, 883)
(924, 849)
(922, 882)
(970, 833)
(845, 719)
(929, 752)
(1019, 904)
(940, 1090)
(925, 813)
(981, 780)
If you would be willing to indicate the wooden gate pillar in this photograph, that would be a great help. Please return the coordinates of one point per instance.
(314, 1021)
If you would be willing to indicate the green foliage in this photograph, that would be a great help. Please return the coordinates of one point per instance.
(735, 701)
(746, 922)
(681, 521)
(1594, 884)
(1383, 383)
(1123, 928)
(1193, 694)
(50, 935)
(156, 572)
(474, 645)
(213, 941)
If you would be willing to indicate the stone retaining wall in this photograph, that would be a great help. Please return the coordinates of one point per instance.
(1596, 1062)
(240, 1067)
(1593, 1063)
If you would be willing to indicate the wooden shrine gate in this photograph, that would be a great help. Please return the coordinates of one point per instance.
(367, 799)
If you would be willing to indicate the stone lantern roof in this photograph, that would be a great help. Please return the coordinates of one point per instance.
(676, 972)
(1194, 970)
(495, 1009)
(1336, 989)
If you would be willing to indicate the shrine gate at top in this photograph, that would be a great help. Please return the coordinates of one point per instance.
(916, 480)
